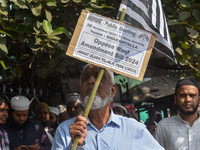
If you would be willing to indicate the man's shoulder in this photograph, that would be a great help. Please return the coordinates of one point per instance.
(168, 120)
(125, 121)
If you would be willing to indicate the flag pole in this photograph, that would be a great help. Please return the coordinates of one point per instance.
(122, 15)
(92, 95)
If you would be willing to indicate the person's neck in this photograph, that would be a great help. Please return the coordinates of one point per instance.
(99, 117)
(190, 118)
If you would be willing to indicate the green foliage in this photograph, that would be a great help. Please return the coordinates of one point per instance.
(35, 34)
(184, 24)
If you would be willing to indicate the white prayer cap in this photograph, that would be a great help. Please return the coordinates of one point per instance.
(119, 105)
(72, 97)
(61, 108)
(20, 103)
(54, 110)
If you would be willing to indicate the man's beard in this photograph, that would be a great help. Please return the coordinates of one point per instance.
(19, 126)
(98, 102)
(188, 112)
(44, 124)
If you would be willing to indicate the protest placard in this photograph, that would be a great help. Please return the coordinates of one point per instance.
(111, 44)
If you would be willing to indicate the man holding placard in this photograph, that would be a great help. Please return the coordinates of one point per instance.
(102, 129)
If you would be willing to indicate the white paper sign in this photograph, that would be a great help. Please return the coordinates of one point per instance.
(112, 44)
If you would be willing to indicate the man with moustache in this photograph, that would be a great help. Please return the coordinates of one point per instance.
(42, 113)
(25, 133)
(102, 130)
(181, 132)
(4, 107)
(73, 103)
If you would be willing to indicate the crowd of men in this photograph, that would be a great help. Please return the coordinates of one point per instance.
(107, 127)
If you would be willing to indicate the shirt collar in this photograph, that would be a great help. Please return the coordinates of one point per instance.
(196, 121)
(112, 119)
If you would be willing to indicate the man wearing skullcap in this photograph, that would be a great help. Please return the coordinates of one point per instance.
(24, 132)
(119, 109)
(42, 113)
(102, 130)
(4, 107)
(182, 132)
(53, 117)
(62, 113)
(74, 107)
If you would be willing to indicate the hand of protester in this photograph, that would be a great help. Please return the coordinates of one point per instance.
(21, 147)
(79, 127)
(36, 146)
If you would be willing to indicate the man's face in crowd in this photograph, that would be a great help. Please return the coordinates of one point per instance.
(3, 113)
(42, 114)
(52, 119)
(187, 99)
(74, 109)
(152, 129)
(20, 117)
(119, 111)
(105, 90)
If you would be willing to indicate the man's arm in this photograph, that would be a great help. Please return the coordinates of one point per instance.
(65, 134)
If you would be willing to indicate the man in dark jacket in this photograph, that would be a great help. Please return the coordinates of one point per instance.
(23, 132)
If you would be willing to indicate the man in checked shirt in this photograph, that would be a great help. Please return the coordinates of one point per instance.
(4, 106)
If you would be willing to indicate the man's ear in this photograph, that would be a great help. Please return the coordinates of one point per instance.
(175, 99)
(113, 90)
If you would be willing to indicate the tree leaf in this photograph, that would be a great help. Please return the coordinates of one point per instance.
(96, 6)
(42, 72)
(196, 14)
(58, 31)
(3, 64)
(36, 9)
(184, 15)
(185, 46)
(47, 27)
(196, 49)
(3, 46)
(51, 3)
(193, 33)
(106, 6)
(185, 3)
(68, 34)
(77, 1)
(48, 15)
(2, 32)
(60, 68)
(20, 3)
(65, 1)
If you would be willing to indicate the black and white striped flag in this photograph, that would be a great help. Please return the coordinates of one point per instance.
(149, 15)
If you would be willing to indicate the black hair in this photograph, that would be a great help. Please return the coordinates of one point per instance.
(3, 100)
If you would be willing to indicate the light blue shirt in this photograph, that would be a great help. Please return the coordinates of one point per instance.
(120, 133)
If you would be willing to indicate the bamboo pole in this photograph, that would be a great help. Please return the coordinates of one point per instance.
(89, 104)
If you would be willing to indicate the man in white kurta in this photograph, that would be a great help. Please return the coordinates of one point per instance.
(182, 132)
(176, 134)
